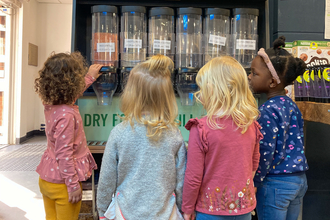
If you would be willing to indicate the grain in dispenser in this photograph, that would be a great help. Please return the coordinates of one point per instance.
(105, 51)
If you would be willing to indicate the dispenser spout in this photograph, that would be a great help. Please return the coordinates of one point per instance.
(186, 85)
(106, 85)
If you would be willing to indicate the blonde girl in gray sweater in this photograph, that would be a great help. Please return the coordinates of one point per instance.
(145, 157)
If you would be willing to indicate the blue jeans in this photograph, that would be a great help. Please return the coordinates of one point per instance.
(203, 216)
(280, 197)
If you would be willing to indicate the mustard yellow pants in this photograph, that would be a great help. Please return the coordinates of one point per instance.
(56, 202)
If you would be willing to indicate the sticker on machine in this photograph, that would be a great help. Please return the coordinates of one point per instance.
(133, 43)
(106, 47)
(219, 40)
(87, 195)
(245, 44)
(162, 44)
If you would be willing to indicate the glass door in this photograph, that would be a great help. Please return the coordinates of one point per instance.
(5, 32)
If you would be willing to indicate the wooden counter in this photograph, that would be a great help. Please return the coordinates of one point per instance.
(316, 112)
(96, 149)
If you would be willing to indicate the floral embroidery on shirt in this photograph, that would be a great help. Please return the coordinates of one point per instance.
(229, 199)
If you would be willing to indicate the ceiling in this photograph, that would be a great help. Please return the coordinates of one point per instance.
(56, 1)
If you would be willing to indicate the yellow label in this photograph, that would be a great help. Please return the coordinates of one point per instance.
(313, 45)
(319, 73)
(306, 76)
(312, 75)
(299, 79)
(326, 74)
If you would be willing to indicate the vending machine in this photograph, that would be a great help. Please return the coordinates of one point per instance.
(121, 34)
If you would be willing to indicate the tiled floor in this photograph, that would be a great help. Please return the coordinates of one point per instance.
(19, 192)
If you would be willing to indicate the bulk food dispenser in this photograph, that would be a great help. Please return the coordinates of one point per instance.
(216, 33)
(244, 40)
(126, 45)
(161, 32)
(188, 52)
(104, 50)
(133, 39)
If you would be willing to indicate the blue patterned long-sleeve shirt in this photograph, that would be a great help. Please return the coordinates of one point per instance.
(282, 149)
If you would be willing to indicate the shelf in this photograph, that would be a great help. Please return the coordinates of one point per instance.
(96, 149)
(315, 112)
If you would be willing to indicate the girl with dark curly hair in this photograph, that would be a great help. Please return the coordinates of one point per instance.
(67, 160)
(280, 179)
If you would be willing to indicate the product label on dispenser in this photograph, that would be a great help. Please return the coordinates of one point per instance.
(219, 40)
(106, 47)
(162, 44)
(245, 44)
(133, 43)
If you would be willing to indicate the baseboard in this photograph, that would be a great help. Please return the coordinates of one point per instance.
(30, 135)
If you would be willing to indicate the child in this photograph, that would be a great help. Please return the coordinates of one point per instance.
(144, 161)
(280, 180)
(223, 148)
(67, 161)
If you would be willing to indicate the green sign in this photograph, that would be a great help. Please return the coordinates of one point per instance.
(99, 120)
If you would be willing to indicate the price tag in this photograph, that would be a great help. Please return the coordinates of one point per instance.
(162, 44)
(106, 47)
(87, 195)
(133, 43)
(246, 44)
(219, 40)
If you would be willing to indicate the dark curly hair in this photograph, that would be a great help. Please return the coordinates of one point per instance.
(61, 80)
(287, 67)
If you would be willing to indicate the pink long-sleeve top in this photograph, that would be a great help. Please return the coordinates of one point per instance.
(218, 178)
(67, 158)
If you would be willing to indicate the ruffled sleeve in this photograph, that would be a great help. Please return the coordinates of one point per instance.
(259, 134)
(256, 153)
(201, 132)
(197, 148)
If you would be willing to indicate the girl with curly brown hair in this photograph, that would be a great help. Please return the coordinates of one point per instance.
(67, 160)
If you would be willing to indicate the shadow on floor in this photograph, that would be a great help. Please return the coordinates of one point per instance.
(16, 213)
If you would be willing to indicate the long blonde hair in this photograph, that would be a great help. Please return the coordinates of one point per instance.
(149, 97)
(224, 92)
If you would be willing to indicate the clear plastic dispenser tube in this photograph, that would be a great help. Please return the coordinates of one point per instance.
(105, 51)
(105, 35)
(188, 52)
(161, 32)
(216, 33)
(244, 35)
(133, 35)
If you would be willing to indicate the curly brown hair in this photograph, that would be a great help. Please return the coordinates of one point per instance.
(61, 80)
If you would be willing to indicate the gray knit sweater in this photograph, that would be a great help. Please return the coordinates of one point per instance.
(143, 174)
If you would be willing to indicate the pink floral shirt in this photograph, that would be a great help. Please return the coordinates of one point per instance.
(67, 158)
(218, 178)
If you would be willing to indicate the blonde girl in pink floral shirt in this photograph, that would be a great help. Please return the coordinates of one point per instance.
(67, 160)
(223, 147)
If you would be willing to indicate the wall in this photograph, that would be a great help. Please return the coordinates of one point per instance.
(54, 28)
(49, 27)
(28, 98)
(297, 19)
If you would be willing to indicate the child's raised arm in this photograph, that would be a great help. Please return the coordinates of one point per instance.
(91, 76)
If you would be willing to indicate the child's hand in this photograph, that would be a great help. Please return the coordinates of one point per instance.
(94, 70)
(189, 216)
(75, 196)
